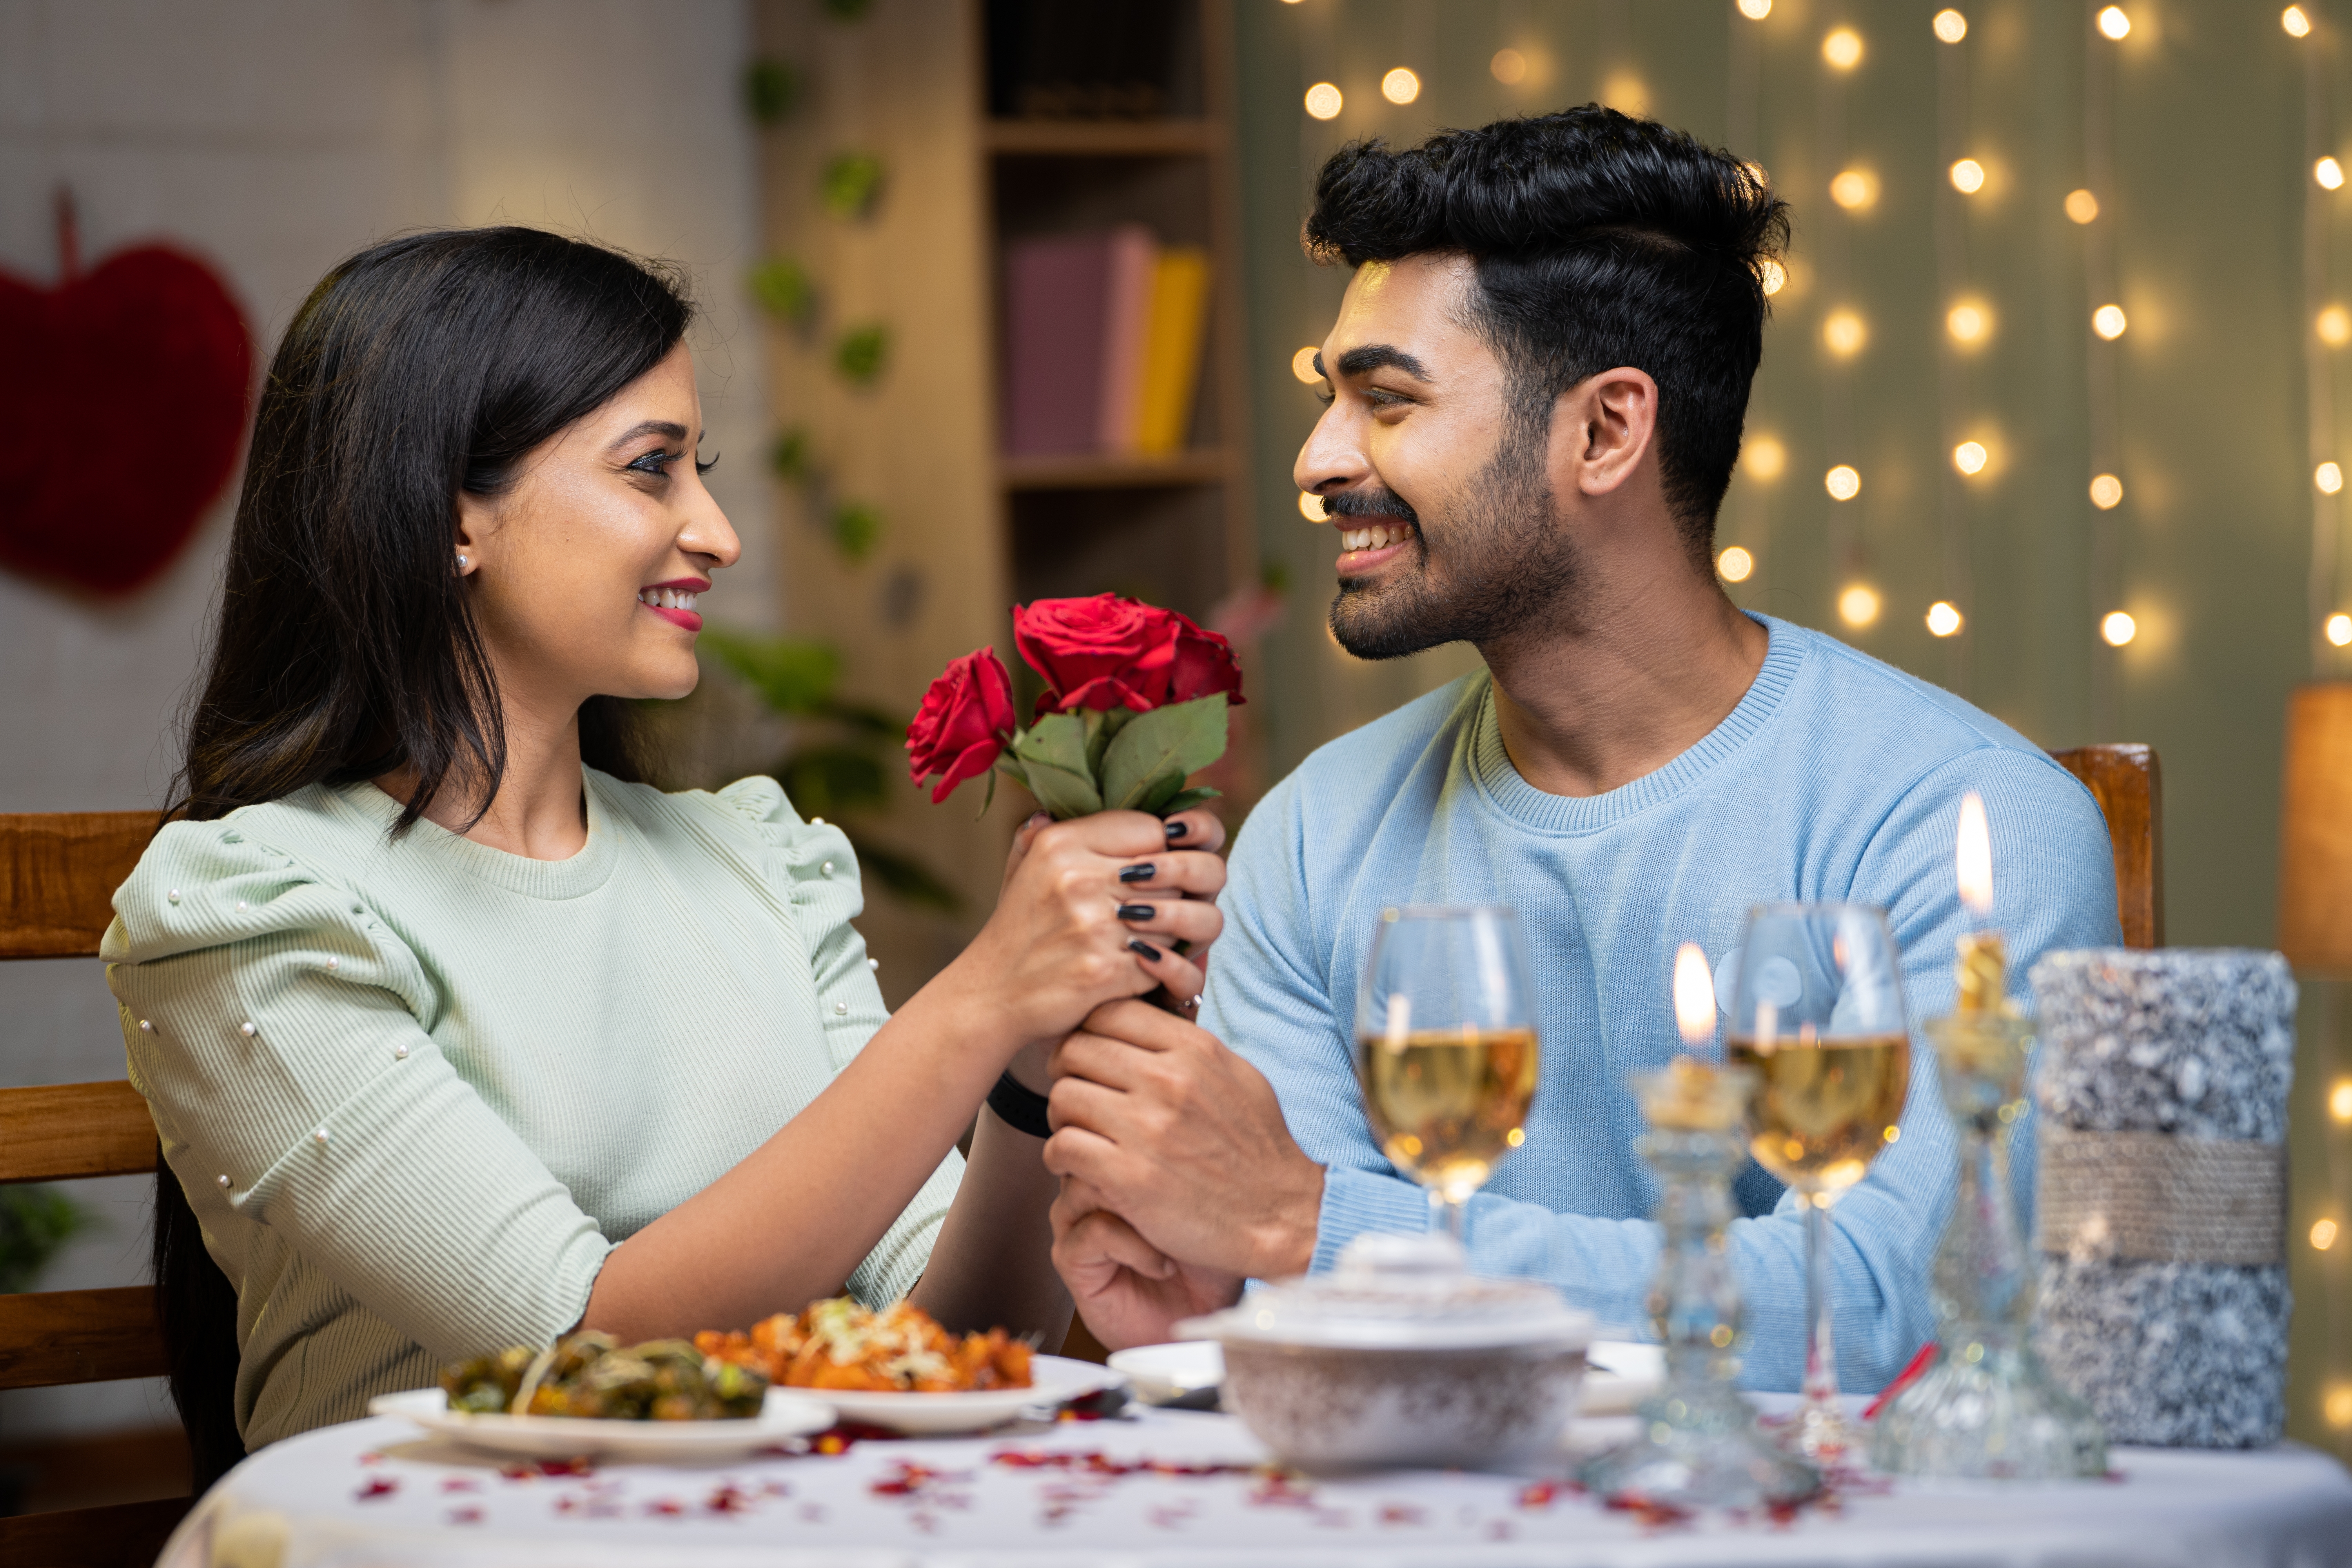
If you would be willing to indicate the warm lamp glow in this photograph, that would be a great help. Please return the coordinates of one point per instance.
(2117, 628)
(2323, 1235)
(1974, 858)
(2339, 629)
(1694, 995)
(1967, 176)
(2107, 492)
(2108, 322)
(2340, 1099)
(2328, 476)
(1858, 605)
(2337, 1406)
(1842, 483)
(2333, 326)
(1944, 619)
(2296, 24)
(1970, 456)
(1842, 49)
(1626, 93)
(1967, 322)
(1854, 189)
(1324, 101)
(1310, 506)
(2081, 205)
(1950, 27)
(2329, 173)
(1401, 86)
(1844, 333)
(1508, 67)
(1755, 10)
(1764, 457)
(1772, 275)
(1736, 565)
(1302, 365)
(2114, 23)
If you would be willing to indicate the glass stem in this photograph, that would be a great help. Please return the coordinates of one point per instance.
(1821, 1354)
(1445, 1214)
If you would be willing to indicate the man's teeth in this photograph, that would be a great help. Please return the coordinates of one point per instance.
(668, 598)
(1378, 537)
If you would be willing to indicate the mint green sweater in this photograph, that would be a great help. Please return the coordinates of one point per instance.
(417, 1090)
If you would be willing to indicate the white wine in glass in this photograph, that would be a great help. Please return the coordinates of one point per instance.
(1446, 1050)
(1816, 1015)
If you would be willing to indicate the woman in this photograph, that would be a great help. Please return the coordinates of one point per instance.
(455, 1036)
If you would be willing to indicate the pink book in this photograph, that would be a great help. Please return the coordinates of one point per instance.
(1134, 261)
(1056, 309)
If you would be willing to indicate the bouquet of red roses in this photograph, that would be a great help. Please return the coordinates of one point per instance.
(1135, 702)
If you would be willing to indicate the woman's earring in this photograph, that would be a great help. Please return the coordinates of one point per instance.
(462, 561)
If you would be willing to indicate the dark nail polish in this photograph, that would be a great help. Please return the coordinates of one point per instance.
(1136, 945)
(1178, 830)
(1138, 873)
(1135, 911)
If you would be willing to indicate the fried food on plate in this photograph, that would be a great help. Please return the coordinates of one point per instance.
(590, 1376)
(838, 1345)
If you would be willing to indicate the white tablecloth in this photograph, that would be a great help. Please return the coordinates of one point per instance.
(378, 1493)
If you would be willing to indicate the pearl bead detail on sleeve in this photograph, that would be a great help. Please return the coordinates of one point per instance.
(841, 1009)
(826, 867)
(400, 1053)
(247, 1030)
(173, 895)
(146, 1027)
(242, 906)
(320, 1137)
(224, 1182)
(873, 963)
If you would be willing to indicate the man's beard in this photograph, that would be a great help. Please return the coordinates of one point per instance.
(1501, 566)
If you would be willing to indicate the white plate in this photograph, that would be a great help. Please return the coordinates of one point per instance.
(1619, 1375)
(1162, 1375)
(786, 1414)
(1054, 1380)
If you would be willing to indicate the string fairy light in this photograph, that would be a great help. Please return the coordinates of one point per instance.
(1970, 456)
(1508, 67)
(1844, 330)
(2117, 627)
(1302, 365)
(2116, 22)
(1968, 323)
(2334, 325)
(2082, 207)
(1844, 333)
(2296, 24)
(2328, 173)
(2328, 478)
(1843, 48)
(2331, 328)
(1401, 86)
(1310, 506)
(2102, 364)
(1843, 482)
(1324, 101)
(1944, 619)
(1858, 605)
(1949, 26)
(1736, 565)
(1755, 10)
(2107, 492)
(1967, 176)
(2109, 321)
(2339, 629)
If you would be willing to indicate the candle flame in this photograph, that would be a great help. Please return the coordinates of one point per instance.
(1975, 857)
(1694, 995)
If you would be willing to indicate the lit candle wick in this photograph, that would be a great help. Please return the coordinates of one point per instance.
(1694, 995)
(1975, 857)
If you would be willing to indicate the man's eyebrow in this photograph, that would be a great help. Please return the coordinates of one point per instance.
(662, 427)
(1380, 356)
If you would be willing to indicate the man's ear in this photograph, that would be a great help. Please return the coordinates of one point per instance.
(1602, 428)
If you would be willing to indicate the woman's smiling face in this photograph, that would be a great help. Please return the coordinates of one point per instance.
(585, 572)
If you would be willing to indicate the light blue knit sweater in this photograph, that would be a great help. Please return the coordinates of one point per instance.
(1835, 777)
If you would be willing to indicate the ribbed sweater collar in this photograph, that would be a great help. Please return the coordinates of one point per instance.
(438, 847)
(1499, 781)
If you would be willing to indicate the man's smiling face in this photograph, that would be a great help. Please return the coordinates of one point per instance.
(1437, 491)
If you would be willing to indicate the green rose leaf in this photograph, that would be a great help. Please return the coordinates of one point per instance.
(1170, 741)
(1060, 790)
(1185, 800)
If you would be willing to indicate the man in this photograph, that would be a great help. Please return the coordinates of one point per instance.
(1537, 379)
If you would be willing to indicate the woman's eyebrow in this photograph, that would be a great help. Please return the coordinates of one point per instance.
(668, 429)
(1380, 356)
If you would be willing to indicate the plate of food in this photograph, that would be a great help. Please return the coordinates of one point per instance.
(587, 1397)
(898, 1370)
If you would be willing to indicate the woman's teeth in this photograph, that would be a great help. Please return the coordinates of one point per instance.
(1378, 537)
(668, 598)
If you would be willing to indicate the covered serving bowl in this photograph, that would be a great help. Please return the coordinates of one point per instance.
(1398, 1357)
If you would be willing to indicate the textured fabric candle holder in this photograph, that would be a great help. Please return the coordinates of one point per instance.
(2162, 1191)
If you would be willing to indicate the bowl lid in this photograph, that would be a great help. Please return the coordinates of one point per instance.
(1399, 1293)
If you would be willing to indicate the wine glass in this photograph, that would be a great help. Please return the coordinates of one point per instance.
(1445, 1038)
(1817, 1013)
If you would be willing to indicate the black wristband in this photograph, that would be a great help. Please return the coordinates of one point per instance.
(1019, 1107)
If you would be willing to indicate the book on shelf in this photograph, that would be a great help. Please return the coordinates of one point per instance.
(1103, 337)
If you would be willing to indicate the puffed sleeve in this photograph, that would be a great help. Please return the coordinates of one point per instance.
(280, 1033)
(819, 867)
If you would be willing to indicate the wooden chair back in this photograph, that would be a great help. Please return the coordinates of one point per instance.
(2129, 787)
(58, 871)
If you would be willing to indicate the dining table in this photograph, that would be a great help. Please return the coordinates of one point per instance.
(1153, 1488)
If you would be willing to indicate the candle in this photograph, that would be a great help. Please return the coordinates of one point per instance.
(1694, 997)
(1690, 1096)
(1983, 962)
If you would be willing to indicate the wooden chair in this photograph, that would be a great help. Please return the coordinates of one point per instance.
(2129, 787)
(58, 876)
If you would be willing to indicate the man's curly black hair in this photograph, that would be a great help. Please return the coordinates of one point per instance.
(1599, 240)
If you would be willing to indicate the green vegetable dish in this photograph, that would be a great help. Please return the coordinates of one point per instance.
(589, 1376)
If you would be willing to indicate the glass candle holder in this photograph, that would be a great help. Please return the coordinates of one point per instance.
(1698, 1445)
(1986, 1408)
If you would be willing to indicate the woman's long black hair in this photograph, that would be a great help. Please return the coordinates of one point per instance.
(346, 646)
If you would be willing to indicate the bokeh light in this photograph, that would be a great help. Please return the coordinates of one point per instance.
(2107, 492)
(1844, 333)
(1302, 365)
(2337, 1406)
(1854, 189)
(1970, 456)
(2081, 205)
(1755, 10)
(2323, 1235)
(1401, 86)
(1764, 457)
(1324, 101)
(1944, 619)
(2114, 23)
(1772, 275)
(2117, 628)
(1969, 322)
(2108, 322)
(1736, 565)
(1508, 67)
(1310, 506)
(2328, 476)
(1843, 48)
(1951, 26)
(2339, 629)
(1842, 482)
(2296, 24)
(2329, 173)
(1858, 605)
(1967, 176)
(2340, 1099)
(2333, 326)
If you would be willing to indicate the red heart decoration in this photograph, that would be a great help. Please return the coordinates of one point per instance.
(120, 415)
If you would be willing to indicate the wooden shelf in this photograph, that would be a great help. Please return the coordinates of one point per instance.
(1103, 138)
(1112, 471)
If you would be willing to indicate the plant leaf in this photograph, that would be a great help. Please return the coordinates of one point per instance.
(1178, 739)
(1186, 800)
(1060, 790)
(1057, 739)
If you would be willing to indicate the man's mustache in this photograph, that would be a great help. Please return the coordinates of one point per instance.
(1371, 503)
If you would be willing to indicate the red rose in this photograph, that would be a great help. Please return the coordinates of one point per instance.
(959, 731)
(1204, 666)
(1100, 653)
